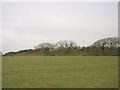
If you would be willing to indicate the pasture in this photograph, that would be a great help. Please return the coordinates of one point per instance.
(60, 72)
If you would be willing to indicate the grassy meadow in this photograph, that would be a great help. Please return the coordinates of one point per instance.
(60, 72)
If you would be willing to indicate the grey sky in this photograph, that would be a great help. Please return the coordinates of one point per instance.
(28, 24)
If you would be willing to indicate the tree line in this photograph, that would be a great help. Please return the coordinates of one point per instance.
(103, 47)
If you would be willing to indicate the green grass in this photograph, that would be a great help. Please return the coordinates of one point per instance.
(60, 72)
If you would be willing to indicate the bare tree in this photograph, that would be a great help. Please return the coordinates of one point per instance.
(45, 46)
(66, 45)
(107, 42)
(111, 42)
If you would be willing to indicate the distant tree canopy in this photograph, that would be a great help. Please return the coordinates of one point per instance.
(111, 43)
(46, 47)
(107, 46)
(107, 42)
(67, 45)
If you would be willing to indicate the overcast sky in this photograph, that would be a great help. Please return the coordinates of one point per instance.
(27, 24)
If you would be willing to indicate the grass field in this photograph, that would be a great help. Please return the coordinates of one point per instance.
(60, 72)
